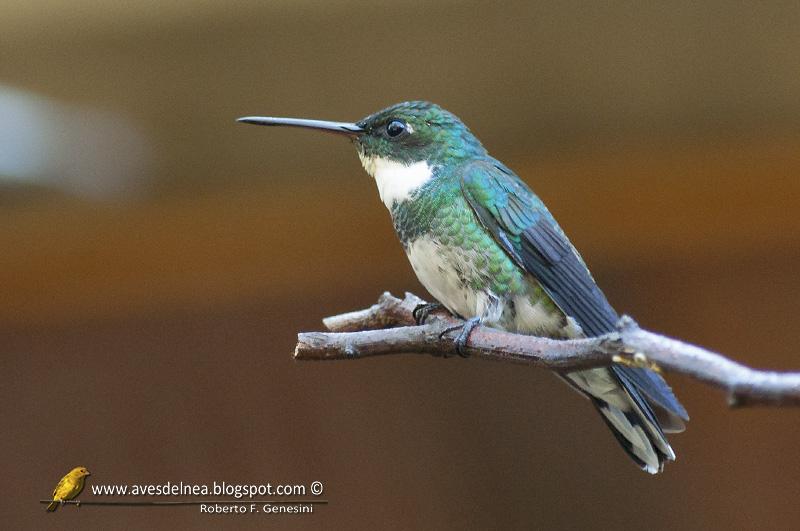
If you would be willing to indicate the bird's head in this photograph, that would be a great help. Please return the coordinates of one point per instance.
(405, 133)
(415, 131)
(400, 146)
(80, 472)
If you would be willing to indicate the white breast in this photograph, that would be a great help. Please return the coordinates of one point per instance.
(439, 277)
(396, 181)
(435, 269)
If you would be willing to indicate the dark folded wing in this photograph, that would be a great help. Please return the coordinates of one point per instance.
(524, 227)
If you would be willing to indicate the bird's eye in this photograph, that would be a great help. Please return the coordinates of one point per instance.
(395, 128)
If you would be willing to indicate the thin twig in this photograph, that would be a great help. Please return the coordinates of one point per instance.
(388, 327)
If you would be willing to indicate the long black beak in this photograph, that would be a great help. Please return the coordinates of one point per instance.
(341, 128)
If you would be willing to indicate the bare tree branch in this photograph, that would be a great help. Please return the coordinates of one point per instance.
(389, 327)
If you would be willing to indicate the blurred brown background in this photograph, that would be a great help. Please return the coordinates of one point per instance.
(158, 259)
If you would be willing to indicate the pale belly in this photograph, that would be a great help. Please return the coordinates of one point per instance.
(451, 276)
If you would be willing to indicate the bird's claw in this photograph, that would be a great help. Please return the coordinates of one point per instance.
(422, 311)
(463, 336)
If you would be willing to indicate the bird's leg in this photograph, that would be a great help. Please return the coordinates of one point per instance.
(78, 504)
(463, 336)
(422, 311)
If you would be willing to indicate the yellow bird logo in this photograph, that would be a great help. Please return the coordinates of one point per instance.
(70, 486)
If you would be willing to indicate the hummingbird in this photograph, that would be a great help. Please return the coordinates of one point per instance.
(489, 251)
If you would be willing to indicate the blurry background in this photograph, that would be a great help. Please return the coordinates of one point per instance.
(158, 258)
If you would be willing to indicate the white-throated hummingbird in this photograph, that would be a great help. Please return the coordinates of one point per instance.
(486, 247)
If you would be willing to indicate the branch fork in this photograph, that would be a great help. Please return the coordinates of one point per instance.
(388, 327)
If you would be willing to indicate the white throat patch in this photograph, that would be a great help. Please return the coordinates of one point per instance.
(396, 181)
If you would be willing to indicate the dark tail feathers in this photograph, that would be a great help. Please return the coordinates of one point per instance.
(629, 416)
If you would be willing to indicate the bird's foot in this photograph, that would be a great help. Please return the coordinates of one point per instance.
(422, 311)
(78, 504)
(62, 502)
(463, 336)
